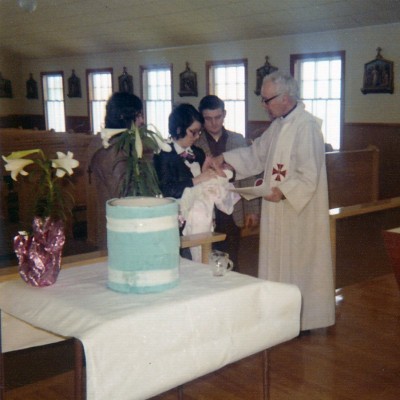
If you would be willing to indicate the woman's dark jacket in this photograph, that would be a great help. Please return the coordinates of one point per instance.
(173, 174)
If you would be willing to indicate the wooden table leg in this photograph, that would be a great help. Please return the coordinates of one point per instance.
(78, 372)
(333, 226)
(2, 377)
(205, 252)
(180, 392)
(265, 375)
(205, 240)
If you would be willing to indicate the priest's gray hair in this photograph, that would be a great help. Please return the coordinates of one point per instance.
(284, 84)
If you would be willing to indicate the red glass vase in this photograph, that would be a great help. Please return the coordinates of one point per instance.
(39, 254)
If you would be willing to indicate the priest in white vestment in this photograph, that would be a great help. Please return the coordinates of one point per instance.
(294, 227)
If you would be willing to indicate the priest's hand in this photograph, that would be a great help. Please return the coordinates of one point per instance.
(275, 196)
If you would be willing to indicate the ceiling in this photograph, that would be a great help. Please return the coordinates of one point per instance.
(60, 28)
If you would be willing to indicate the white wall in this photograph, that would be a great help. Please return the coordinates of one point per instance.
(360, 46)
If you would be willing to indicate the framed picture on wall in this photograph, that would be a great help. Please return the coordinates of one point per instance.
(188, 82)
(74, 86)
(378, 75)
(125, 82)
(5, 87)
(261, 72)
(31, 88)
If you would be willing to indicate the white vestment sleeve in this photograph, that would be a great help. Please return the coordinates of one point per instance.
(301, 185)
(249, 161)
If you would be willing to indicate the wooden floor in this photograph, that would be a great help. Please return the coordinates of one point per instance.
(358, 358)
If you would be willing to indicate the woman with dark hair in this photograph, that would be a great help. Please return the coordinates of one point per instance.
(182, 167)
(122, 109)
(106, 166)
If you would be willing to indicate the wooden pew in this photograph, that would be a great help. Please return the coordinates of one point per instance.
(353, 184)
(339, 213)
(352, 176)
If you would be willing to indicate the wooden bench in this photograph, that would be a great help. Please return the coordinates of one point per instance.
(353, 176)
(336, 214)
(353, 183)
(391, 239)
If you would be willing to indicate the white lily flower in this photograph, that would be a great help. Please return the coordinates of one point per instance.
(64, 163)
(22, 153)
(107, 133)
(138, 143)
(162, 145)
(16, 166)
(156, 131)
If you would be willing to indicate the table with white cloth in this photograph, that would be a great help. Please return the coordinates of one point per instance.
(139, 345)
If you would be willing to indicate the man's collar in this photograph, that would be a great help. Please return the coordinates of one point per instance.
(292, 109)
(209, 136)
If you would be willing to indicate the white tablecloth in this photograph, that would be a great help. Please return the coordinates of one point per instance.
(140, 345)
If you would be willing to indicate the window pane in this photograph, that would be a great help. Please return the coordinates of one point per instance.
(100, 90)
(320, 90)
(241, 92)
(157, 97)
(98, 115)
(336, 89)
(307, 90)
(220, 75)
(308, 71)
(320, 109)
(333, 121)
(308, 105)
(228, 82)
(336, 69)
(53, 93)
(235, 117)
(230, 92)
(220, 91)
(322, 70)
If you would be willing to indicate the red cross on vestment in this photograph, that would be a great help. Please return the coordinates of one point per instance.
(278, 171)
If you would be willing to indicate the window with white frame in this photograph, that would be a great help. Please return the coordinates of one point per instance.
(53, 97)
(99, 91)
(321, 83)
(157, 96)
(228, 81)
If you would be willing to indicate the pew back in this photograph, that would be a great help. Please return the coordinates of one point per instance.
(352, 176)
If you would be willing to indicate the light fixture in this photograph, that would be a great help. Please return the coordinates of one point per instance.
(28, 5)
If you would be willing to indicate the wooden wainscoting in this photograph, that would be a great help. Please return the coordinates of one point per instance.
(386, 137)
(73, 123)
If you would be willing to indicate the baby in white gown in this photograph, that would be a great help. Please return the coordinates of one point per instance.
(197, 206)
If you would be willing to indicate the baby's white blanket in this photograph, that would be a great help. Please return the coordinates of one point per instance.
(197, 206)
